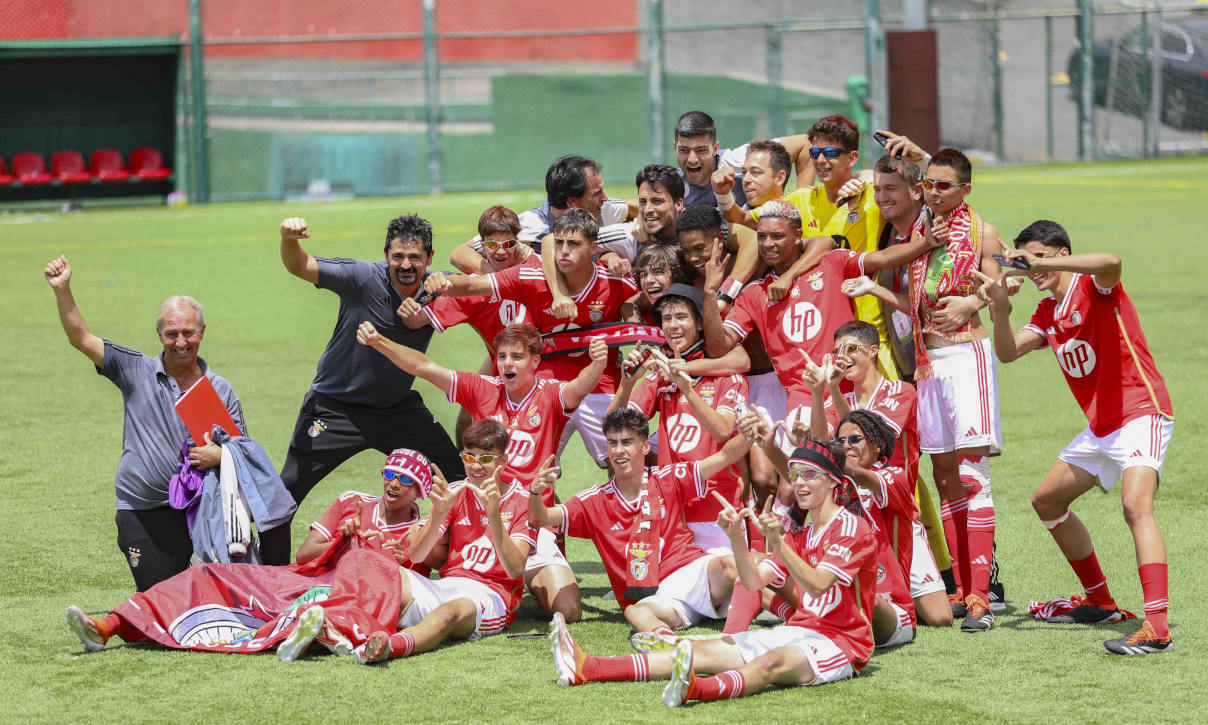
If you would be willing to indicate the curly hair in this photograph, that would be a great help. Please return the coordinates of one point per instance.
(661, 175)
(627, 419)
(875, 429)
(409, 228)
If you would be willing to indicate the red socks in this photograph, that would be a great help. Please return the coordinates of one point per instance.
(781, 608)
(1153, 589)
(1094, 582)
(977, 538)
(722, 686)
(619, 668)
(402, 644)
(954, 515)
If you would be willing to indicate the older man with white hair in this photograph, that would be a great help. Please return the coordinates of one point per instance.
(153, 536)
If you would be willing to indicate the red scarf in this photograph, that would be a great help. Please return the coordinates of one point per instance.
(615, 334)
(642, 574)
(940, 273)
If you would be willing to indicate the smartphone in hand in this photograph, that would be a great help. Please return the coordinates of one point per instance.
(884, 139)
(1016, 263)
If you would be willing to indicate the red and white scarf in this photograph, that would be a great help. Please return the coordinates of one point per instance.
(944, 272)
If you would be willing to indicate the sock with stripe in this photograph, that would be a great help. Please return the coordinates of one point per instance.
(744, 607)
(978, 546)
(781, 608)
(722, 686)
(955, 518)
(402, 644)
(1094, 582)
(1153, 588)
(617, 668)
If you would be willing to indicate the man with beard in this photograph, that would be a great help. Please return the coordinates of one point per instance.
(358, 399)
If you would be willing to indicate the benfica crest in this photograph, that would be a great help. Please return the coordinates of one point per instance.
(852, 217)
(534, 416)
(638, 566)
(708, 394)
(316, 428)
(595, 311)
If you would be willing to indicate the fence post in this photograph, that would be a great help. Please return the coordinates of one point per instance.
(878, 93)
(775, 60)
(1155, 84)
(432, 97)
(1086, 104)
(658, 83)
(1048, 87)
(996, 82)
(201, 142)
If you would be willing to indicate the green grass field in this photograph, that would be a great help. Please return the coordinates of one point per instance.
(61, 436)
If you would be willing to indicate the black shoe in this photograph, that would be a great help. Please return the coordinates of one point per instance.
(978, 617)
(998, 596)
(958, 605)
(1142, 642)
(1088, 614)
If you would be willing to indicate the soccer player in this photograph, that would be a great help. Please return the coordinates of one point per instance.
(498, 228)
(1091, 325)
(696, 413)
(636, 521)
(153, 536)
(832, 559)
(956, 375)
(483, 522)
(598, 296)
(655, 269)
(699, 155)
(895, 402)
(358, 400)
(252, 607)
(534, 410)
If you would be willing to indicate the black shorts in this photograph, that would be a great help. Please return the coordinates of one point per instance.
(155, 542)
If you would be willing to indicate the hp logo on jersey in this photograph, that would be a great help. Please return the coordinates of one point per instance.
(511, 311)
(684, 432)
(520, 448)
(1077, 358)
(801, 322)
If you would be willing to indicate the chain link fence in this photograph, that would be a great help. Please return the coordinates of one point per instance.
(322, 99)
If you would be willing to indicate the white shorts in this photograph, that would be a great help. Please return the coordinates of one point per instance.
(588, 419)
(904, 633)
(958, 404)
(1139, 442)
(428, 594)
(828, 662)
(686, 590)
(766, 391)
(924, 574)
(546, 553)
(709, 537)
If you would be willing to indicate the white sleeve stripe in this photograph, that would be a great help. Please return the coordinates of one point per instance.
(779, 574)
(702, 486)
(894, 426)
(742, 335)
(840, 575)
(451, 396)
(322, 530)
(860, 261)
(494, 288)
(432, 319)
(562, 507)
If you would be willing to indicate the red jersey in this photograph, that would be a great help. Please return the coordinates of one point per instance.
(487, 318)
(604, 515)
(891, 510)
(896, 401)
(600, 301)
(534, 424)
(368, 509)
(804, 320)
(471, 551)
(682, 438)
(1096, 335)
(847, 548)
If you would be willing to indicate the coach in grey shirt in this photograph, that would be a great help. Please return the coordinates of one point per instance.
(359, 399)
(153, 536)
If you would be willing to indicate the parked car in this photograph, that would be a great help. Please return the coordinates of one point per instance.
(1184, 69)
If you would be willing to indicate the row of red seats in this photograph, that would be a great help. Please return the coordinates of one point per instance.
(67, 167)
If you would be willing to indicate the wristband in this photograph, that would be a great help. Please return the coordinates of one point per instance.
(723, 297)
(724, 201)
(730, 287)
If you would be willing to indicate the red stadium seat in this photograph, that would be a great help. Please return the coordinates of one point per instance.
(30, 168)
(148, 165)
(5, 178)
(107, 165)
(68, 167)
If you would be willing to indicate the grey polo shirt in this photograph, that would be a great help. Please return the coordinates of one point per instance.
(152, 432)
(351, 372)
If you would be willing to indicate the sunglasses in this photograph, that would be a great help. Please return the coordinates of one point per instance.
(942, 184)
(484, 459)
(493, 244)
(402, 478)
(852, 439)
(809, 474)
(829, 152)
(848, 349)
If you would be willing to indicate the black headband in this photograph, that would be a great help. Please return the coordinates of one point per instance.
(815, 453)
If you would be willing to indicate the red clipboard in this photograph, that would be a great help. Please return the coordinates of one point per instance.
(201, 409)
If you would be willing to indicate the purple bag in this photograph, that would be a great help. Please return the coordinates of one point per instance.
(184, 490)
